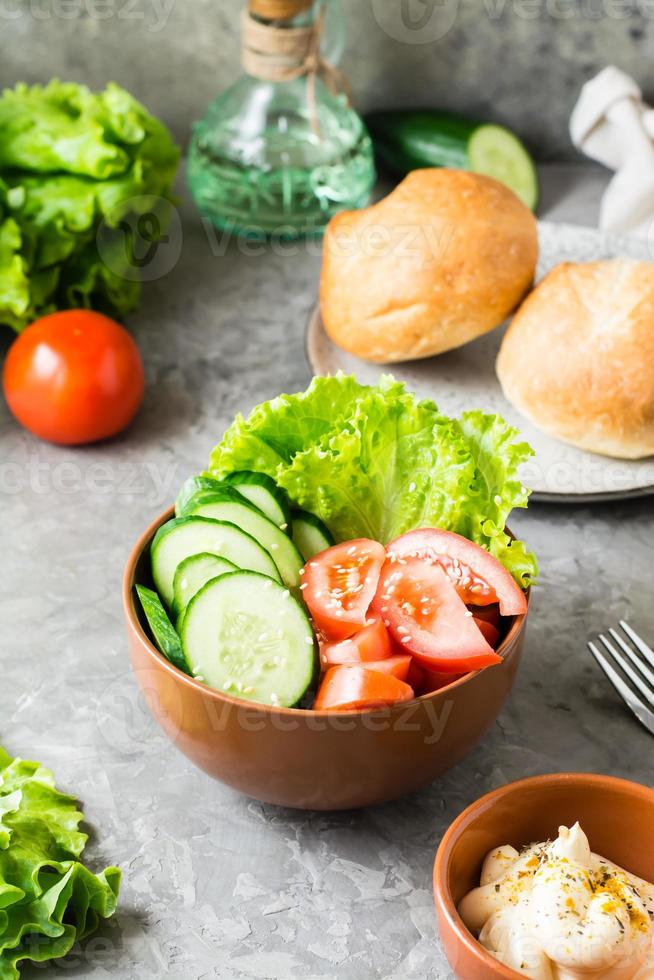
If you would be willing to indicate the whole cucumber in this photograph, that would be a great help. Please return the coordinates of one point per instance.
(408, 140)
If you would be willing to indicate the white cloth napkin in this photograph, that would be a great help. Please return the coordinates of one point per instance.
(611, 123)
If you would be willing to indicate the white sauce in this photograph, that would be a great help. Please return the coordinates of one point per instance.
(556, 911)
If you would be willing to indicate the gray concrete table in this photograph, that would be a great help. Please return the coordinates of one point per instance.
(217, 885)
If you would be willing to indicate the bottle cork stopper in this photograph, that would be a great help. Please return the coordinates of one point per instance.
(278, 9)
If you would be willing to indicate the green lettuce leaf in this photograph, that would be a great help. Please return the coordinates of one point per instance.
(276, 430)
(76, 168)
(48, 899)
(14, 281)
(376, 462)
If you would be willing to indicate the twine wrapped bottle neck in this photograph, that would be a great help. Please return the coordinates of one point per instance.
(273, 51)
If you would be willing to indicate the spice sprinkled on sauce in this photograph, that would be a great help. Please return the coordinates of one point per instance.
(557, 911)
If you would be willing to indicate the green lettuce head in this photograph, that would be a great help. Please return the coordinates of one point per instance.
(77, 169)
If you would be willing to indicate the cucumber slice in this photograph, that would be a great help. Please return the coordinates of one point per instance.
(227, 504)
(263, 492)
(193, 485)
(409, 139)
(496, 152)
(194, 572)
(181, 537)
(162, 629)
(246, 635)
(257, 488)
(309, 534)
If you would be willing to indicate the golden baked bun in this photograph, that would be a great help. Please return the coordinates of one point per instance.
(578, 358)
(441, 260)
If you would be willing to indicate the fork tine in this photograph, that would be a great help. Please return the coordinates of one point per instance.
(643, 714)
(645, 671)
(646, 651)
(631, 674)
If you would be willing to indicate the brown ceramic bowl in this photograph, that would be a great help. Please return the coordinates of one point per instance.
(314, 759)
(617, 816)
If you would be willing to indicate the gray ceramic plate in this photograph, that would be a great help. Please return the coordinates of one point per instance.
(465, 378)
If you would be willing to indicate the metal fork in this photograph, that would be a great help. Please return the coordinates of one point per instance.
(642, 678)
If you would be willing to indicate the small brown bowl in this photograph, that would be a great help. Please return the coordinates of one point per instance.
(318, 760)
(617, 816)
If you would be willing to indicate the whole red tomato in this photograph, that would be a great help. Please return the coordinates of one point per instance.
(74, 377)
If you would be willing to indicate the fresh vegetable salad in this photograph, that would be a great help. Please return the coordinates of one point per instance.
(346, 549)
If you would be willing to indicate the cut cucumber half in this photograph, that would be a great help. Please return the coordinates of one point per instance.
(496, 152)
(181, 537)
(227, 504)
(194, 572)
(246, 635)
(309, 534)
(263, 492)
(407, 139)
(163, 632)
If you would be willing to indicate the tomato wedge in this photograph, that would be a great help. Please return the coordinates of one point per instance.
(416, 676)
(477, 576)
(490, 633)
(491, 614)
(424, 681)
(434, 680)
(353, 686)
(396, 666)
(339, 584)
(422, 610)
(370, 644)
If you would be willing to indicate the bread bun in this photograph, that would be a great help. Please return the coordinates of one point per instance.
(578, 358)
(444, 258)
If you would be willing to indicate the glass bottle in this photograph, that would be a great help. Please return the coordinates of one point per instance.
(280, 157)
